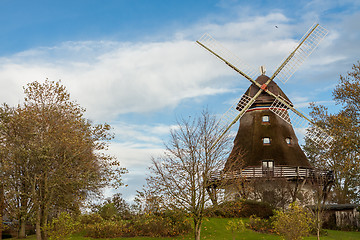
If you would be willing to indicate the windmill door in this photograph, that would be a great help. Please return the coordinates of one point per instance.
(268, 168)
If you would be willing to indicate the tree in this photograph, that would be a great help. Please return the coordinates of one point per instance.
(344, 155)
(181, 175)
(235, 225)
(293, 223)
(55, 155)
(114, 207)
(14, 168)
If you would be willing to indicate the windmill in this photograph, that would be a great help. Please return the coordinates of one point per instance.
(267, 117)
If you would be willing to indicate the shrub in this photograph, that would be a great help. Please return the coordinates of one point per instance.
(260, 225)
(91, 219)
(240, 209)
(294, 223)
(235, 225)
(106, 229)
(61, 228)
(167, 224)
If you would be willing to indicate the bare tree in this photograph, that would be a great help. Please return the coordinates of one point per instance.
(181, 175)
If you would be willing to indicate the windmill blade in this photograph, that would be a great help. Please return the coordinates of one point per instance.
(213, 46)
(233, 112)
(306, 46)
(298, 120)
(231, 116)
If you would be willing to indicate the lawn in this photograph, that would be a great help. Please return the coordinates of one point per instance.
(214, 228)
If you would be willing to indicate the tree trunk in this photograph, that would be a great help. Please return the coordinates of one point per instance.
(43, 224)
(1, 207)
(318, 224)
(197, 228)
(38, 224)
(22, 233)
(22, 219)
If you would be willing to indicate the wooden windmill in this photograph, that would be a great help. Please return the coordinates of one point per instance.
(267, 117)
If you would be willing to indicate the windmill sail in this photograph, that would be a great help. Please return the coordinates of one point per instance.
(306, 46)
(228, 117)
(298, 120)
(213, 46)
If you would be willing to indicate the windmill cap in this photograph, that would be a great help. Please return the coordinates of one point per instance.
(264, 97)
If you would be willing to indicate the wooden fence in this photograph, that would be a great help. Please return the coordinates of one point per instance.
(275, 172)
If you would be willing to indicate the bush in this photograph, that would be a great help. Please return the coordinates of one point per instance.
(166, 224)
(240, 209)
(91, 219)
(260, 225)
(235, 225)
(106, 229)
(294, 223)
(61, 228)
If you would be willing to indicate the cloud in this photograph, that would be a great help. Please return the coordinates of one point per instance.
(121, 78)
(113, 79)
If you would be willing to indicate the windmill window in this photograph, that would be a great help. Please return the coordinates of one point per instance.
(288, 141)
(266, 141)
(265, 119)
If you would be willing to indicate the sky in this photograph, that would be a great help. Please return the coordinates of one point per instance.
(135, 64)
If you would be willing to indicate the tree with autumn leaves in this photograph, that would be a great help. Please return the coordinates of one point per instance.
(52, 157)
(344, 155)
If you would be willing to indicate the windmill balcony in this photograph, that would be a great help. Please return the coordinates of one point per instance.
(290, 173)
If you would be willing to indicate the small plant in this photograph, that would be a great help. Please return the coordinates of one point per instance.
(260, 225)
(91, 219)
(107, 229)
(294, 223)
(235, 225)
(61, 228)
(165, 224)
(240, 209)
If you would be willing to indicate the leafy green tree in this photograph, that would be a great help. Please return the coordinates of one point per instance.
(14, 134)
(55, 155)
(62, 227)
(113, 208)
(344, 155)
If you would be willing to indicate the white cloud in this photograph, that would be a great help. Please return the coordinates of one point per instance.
(123, 78)
(114, 78)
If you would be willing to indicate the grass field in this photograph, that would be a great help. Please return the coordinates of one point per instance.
(215, 229)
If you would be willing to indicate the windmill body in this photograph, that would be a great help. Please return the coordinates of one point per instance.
(264, 138)
(266, 149)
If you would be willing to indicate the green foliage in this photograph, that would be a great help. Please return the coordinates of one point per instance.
(113, 208)
(55, 157)
(294, 223)
(62, 227)
(344, 127)
(166, 224)
(107, 229)
(108, 211)
(91, 219)
(241, 208)
(235, 225)
(214, 228)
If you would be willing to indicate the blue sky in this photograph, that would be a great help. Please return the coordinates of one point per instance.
(135, 64)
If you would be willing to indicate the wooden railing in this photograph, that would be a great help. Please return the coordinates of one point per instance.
(276, 172)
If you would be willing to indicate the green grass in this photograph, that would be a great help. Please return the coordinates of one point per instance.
(214, 228)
